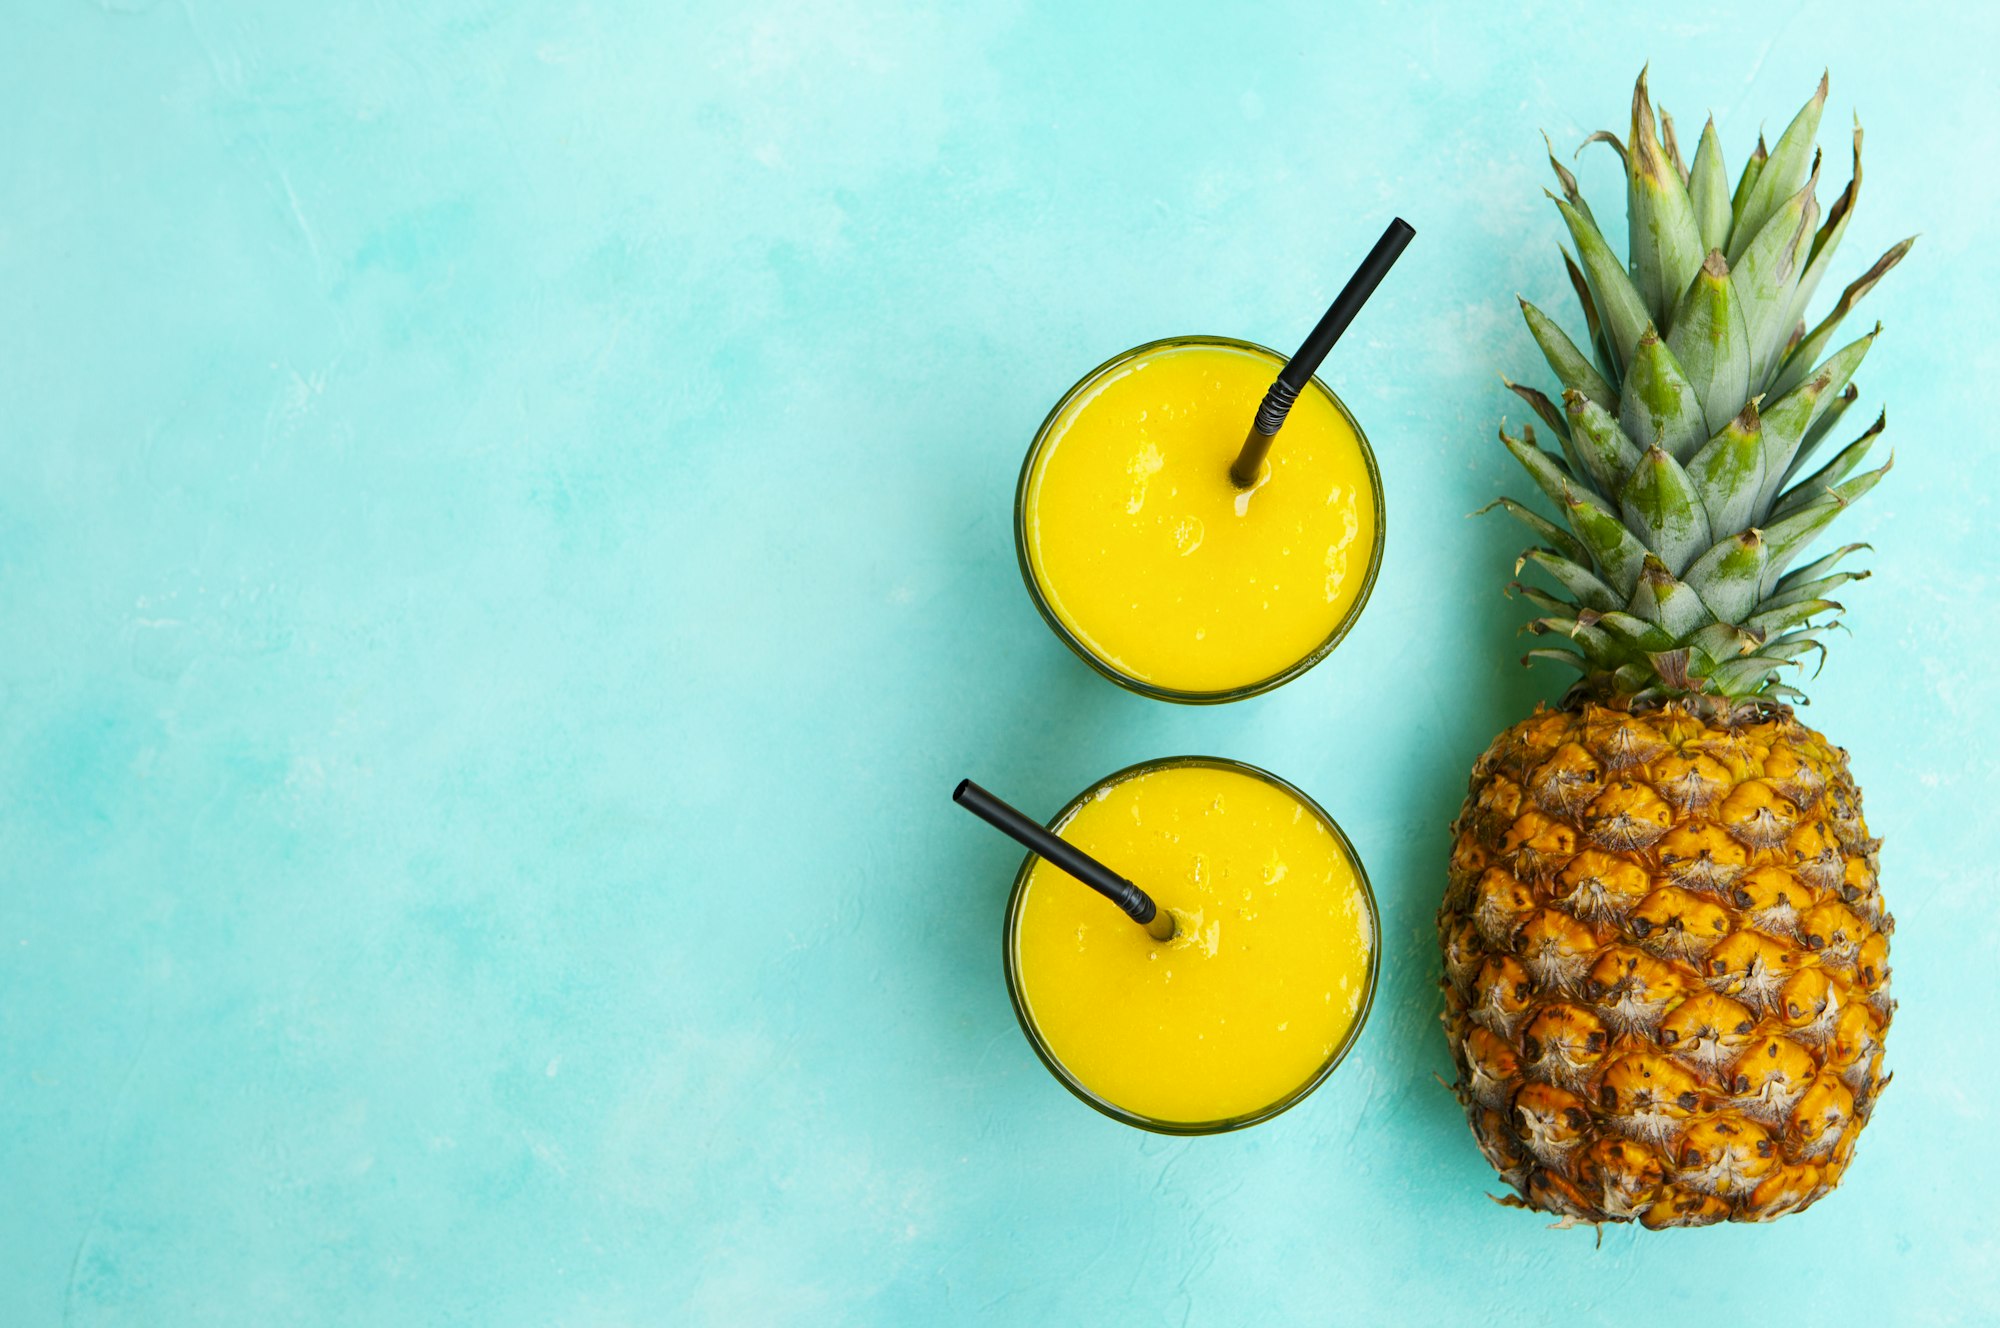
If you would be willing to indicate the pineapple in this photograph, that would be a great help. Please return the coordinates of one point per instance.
(1666, 955)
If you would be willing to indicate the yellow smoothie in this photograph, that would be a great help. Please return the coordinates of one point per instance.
(1263, 984)
(1155, 562)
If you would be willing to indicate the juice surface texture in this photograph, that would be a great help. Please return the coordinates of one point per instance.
(1156, 562)
(1263, 983)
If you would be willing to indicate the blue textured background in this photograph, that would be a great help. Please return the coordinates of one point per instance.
(504, 551)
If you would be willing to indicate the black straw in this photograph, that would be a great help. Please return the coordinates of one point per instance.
(1298, 371)
(1138, 905)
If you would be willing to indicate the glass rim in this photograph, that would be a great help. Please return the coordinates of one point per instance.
(1125, 1116)
(1140, 685)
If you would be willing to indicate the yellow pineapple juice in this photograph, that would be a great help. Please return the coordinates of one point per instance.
(1257, 996)
(1154, 566)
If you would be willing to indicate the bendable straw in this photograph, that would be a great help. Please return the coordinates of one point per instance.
(1298, 371)
(1138, 905)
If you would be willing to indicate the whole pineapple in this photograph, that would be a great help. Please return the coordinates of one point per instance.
(1666, 955)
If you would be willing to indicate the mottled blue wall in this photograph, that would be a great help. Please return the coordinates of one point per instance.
(504, 552)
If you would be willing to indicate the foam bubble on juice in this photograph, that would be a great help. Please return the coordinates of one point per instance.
(1147, 462)
(1188, 533)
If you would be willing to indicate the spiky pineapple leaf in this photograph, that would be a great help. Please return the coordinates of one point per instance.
(1820, 567)
(1800, 359)
(1567, 181)
(1641, 634)
(1601, 446)
(1746, 675)
(1778, 177)
(1542, 406)
(1820, 257)
(1664, 243)
(1777, 621)
(1668, 602)
(1604, 136)
(1618, 301)
(1708, 190)
(1657, 405)
(1540, 598)
(1767, 272)
(1613, 548)
(1569, 657)
(1583, 585)
(1719, 643)
(1551, 476)
(1789, 537)
(1833, 472)
(1730, 574)
(1789, 425)
(1572, 370)
(1554, 536)
(1671, 144)
(1728, 472)
(1600, 344)
(1709, 339)
(1817, 588)
(1595, 643)
(1660, 504)
(1827, 415)
(1744, 184)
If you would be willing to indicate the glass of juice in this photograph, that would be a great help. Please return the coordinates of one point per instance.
(1153, 566)
(1260, 993)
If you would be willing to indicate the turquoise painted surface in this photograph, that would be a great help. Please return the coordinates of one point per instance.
(504, 552)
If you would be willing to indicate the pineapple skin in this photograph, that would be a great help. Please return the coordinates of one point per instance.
(1666, 962)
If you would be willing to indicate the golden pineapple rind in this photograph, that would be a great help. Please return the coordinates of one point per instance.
(1666, 962)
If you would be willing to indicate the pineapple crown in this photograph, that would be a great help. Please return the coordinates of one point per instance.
(1685, 432)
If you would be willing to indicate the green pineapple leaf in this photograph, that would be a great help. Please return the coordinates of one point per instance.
(1777, 178)
(1729, 575)
(1719, 643)
(1709, 338)
(1567, 181)
(1812, 571)
(1664, 242)
(1583, 585)
(1668, 602)
(1600, 345)
(1776, 622)
(1640, 634)
(1820, 257)
(1817, 588)
(1744, 184)
(1551, 476)
(1828, 415)
(1743, 676)
(1572, 370)
(1800, 359)
(1660, 504)
(1657, 405)
(1728, 472)
(1789, 423)
(1789, 537)
(1569, 657)
(1832, 473)
(1613, 548)
(1542, 406)
(1768, 271)
(1606, 453)
(1618, 300)
(1552, 535)
(1708, 190)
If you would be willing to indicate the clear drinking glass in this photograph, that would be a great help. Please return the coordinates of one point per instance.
(1038, 593)
(1025, 1015)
